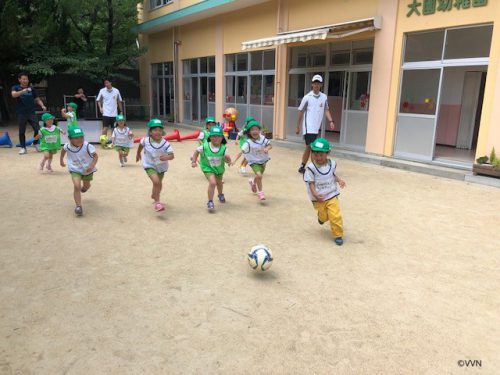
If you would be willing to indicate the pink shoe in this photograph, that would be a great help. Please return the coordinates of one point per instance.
(159, 207)
(261, 195)
(49, 168)
(251, 182)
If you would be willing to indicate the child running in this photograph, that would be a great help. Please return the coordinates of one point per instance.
(82, 159)
(69, 114)
(241, 138)
(256, 151)
(321, 184)
(157, 153)
(50, 141)
(213, 157)
(204, 133)
(121, 139)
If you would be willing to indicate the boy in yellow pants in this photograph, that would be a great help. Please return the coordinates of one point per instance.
(321, 184)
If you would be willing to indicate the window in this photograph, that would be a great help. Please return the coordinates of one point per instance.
(242, 62)
(419, 91)
(199, 88)
(162, 81)
(362, 52)
(230, 89)
(427, 46)
(153, 4)
(468, 42)
(256, 90)
(296, 89)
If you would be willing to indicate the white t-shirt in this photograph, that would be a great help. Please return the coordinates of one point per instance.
(254, 150)
(80, 158)
(152, 152)
(313, 107)
(323, 178)
(122, 137)
(110, 100)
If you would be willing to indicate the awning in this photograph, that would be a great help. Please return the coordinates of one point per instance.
(340, 30)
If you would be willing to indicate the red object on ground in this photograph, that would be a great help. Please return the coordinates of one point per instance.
(175, 136)
(193, 135)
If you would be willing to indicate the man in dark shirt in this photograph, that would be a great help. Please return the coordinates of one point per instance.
(26, 97)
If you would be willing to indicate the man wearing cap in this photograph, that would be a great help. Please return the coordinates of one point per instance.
(109, 101)
(26, 97)
(312, 108)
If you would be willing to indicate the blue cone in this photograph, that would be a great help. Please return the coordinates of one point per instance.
(29, 142)
(5, 140)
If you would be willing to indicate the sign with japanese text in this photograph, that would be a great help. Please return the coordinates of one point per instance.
(427, 7)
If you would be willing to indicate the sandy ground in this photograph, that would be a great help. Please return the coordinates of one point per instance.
(124, 290)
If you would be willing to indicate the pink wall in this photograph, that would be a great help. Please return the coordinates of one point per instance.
(448, 123)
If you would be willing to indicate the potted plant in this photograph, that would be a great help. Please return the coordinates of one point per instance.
(267, 133)
(487, 166)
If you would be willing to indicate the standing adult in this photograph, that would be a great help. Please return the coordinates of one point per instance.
(26, 97)
(312, 109)
(81, 101)
(109, 101)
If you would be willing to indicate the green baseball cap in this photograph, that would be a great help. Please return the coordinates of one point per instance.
(120, 118)
(248, 119)
(47, 116)
(74, 132)
(253, 123)
(320, 145)
(73, 105)
(216, 130)
(209, 119)
(155, 123)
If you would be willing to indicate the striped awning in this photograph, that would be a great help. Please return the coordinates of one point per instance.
(340, 30)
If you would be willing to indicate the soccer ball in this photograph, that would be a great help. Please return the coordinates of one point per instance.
(260, 258)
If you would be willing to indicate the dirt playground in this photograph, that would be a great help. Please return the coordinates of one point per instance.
(415, 289)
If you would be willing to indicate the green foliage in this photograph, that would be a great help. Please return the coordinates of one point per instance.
(496, 163)
(482, 160)
(47, 37)
(493, 156)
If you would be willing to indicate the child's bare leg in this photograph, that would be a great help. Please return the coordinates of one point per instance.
(86, 185)
(49, 162)
(77, 186)
(157, 185)
(212, 182)
(120, 156)
(220, 185)
(258, 180)
(44, 159)
(244, 163)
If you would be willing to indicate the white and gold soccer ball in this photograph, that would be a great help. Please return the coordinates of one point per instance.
(260, 258)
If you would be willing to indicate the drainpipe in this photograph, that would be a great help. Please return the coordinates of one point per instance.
(177, 43)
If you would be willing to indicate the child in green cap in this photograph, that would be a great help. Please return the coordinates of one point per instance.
(50, 140)
(212, 162)
(321, 184)
(256, 150)
(69, 114)
(121, 139)
(241, 138)
(157, 153)
(82, 159)
(204, 133)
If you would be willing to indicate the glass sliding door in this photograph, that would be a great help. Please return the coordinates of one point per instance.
(199, 89)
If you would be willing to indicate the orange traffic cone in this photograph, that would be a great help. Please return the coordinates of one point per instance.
(193, 135)
(138, 139)
(175, 136)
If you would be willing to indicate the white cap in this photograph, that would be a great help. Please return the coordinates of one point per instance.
(317, 77)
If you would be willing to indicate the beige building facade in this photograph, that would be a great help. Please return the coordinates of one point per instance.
(416, 80)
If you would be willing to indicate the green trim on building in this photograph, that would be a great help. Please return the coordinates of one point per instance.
(178, 14)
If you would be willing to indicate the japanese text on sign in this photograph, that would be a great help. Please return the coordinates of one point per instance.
(426, 7)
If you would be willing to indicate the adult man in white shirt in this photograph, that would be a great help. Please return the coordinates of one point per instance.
(312, 108)
(109, 101)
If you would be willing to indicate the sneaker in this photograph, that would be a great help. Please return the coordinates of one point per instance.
(49, 168)
(261, 195)
(83, 190)
(122, 165)
(243, 170)
(159, 207)
(78, 211)
(210, 205)
(251, 182)
(339, 241)
(125, 159)
(302, 169)
(222, 198)
(23, 151)
(321, 222)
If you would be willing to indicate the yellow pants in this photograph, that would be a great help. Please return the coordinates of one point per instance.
(330, 211)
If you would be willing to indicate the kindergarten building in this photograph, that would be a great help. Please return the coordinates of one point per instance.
(411, 79)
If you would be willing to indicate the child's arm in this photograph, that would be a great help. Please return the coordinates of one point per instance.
(130, 135)
(37, 137)
(138, 155)
(267, 148)
(61, 161)
(227, 159)
(194, 158)
(169, 156)
(314, 193)
(237, 157)
(64, 114)
(62, 131)
(340, 181)
(94, 162)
